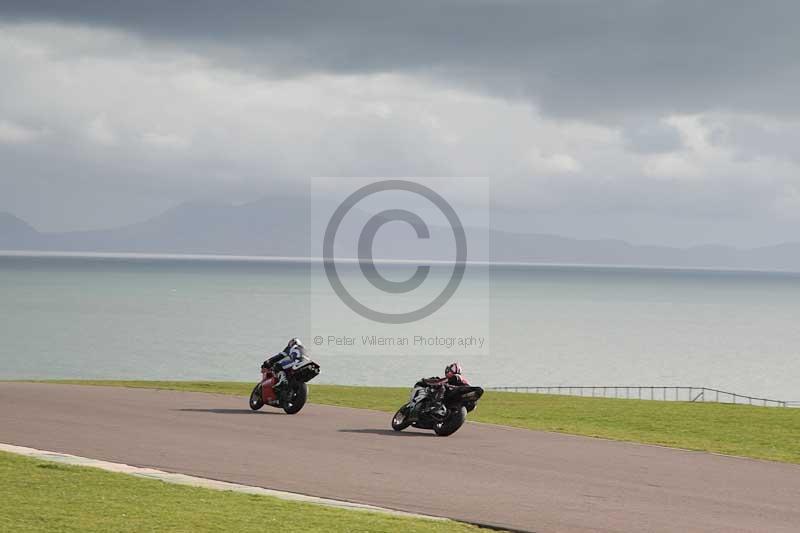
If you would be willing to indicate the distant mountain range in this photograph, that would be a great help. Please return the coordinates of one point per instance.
(266, 227)
(277, 227)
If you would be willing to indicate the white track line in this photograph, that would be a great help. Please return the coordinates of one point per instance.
(183, 479)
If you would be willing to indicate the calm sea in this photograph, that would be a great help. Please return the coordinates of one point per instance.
(157, 318)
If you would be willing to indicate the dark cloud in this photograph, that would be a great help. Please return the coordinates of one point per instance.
(589, 60)
(649, 137)
(752, 137)
(643, 119)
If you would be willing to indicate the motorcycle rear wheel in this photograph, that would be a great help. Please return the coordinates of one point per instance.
(455, 419)
(256, 402)
(297, 399)
(400, 419)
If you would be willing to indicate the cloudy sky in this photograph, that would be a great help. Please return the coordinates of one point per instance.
(655, 122)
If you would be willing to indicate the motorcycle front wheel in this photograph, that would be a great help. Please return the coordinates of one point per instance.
(256, 402)
(454, 420)
(296, 399)
(400, 419)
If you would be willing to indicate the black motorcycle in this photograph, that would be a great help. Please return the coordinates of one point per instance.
(443, 409)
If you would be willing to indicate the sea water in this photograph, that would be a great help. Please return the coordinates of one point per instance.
(218, 318)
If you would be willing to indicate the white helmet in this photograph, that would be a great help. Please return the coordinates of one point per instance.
(294, 348)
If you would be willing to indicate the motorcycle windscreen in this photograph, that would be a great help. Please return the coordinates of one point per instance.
(465, 394)
(306, 373)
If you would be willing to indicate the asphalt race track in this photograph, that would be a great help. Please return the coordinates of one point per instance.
(511, 478)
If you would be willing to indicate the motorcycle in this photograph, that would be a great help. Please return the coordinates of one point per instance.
(291, 396)
(443, 409)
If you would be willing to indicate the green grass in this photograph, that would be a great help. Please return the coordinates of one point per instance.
(760, 432)
(41, 496)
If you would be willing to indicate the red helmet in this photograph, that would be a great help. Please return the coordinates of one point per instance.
(453, 369)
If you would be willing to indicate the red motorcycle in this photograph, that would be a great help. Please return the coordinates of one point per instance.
(291, 396)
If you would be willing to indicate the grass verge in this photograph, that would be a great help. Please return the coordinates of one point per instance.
(40, 496)
(760, 432)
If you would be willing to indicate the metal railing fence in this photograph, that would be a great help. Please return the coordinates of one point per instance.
(652, 392)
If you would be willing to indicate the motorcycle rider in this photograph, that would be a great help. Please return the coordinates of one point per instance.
(279, 362)
(434, 387)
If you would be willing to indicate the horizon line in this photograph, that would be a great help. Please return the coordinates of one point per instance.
(385, 261)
